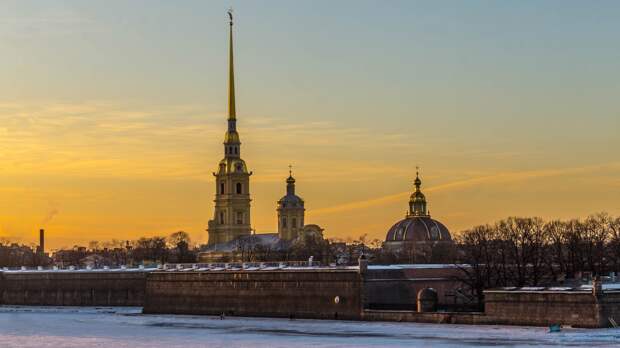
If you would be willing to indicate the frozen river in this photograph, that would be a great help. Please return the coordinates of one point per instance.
(126, 327)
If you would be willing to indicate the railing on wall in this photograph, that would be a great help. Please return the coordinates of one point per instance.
(121, 268)
(186, 267)
(238, 266)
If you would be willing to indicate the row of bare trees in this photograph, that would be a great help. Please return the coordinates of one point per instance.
(531, 252)
(158, 249)
(16, 255)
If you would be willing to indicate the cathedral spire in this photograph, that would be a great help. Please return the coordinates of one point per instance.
(231, 216)
(231, 139)
(232, 114)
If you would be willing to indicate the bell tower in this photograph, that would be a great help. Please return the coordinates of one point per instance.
(290, 211)
(232, 181)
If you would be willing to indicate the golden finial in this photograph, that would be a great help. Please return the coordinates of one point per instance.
(417, 181)
(290, 170)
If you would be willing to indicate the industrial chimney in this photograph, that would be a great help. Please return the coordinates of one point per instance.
(41, 242)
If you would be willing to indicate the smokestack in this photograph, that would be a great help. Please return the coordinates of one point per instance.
(41, 241)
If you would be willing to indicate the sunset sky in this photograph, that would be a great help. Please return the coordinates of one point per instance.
(112, 113)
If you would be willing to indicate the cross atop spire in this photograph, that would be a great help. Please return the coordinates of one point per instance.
(290, 181)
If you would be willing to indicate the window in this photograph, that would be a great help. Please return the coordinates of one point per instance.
(294, 224)
(222, 188)
(239, 218)
(236, 150)
(239, 188)
(222, 217)
(284, 222)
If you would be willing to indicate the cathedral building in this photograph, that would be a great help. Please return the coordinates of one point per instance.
(232, 181)
(230, 231)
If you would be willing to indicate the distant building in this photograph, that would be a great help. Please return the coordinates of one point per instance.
(418, 236)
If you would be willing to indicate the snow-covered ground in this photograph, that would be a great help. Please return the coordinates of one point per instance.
(126, 327)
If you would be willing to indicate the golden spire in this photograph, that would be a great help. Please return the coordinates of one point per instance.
(231, 74)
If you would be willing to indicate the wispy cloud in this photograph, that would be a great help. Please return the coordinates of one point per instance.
(466, 183)
(105, 139)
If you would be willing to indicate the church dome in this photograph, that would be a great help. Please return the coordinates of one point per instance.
(418, 226)
(290, 200)
(418, 229)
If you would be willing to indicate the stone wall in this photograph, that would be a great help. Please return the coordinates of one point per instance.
(610, 304)
(66, 288)
(397, 289)
(543, 308)
(297, 293)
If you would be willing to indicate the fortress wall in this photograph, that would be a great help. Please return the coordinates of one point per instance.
(610, 303)
(77, 288)
(543, 308)
(397, 289)
(300, 293)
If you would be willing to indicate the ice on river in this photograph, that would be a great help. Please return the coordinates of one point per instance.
(126, 327)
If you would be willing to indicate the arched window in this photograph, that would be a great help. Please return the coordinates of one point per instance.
(222, 188)
(294, 224)
(284, 222)
(236, 150)
(239, 218)
(239, 188)
(222, 217)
